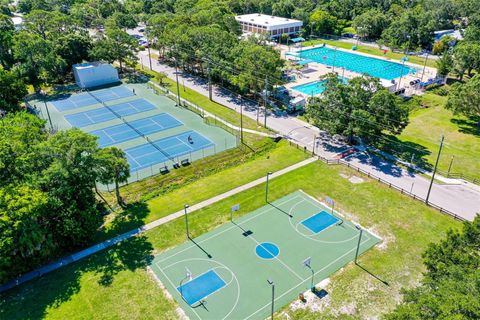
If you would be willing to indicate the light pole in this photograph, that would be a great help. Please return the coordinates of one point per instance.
(44, 96)
(241, 119)
(266, 187)
(176, 76)
(359, 240)
(186, 219)
(270, 282)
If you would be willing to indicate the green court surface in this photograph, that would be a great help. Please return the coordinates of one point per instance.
(223, 274)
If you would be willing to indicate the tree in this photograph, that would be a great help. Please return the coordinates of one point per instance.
(7, 31)
(116, 46)
(443, 45)
(371, 23)
(472, 33)
(321, 22)
(39, 61)
(361, 108)
(450, 287)
(444, 64)
(23, 233)
(465, 98)
(113, 167)
(12, 91)
(466, 58)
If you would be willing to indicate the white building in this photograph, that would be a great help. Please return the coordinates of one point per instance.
(94, 74)
(274, 26)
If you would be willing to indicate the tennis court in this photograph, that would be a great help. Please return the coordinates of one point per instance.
(175, 146)
(74, 101)
(141, 127)
(113, 93)
(223, 274)
(86, 118)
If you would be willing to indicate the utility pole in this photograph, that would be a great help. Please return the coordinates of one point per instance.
(265, 101)
(209, 81)
(148, 47)
(434, 169)
(241, 120)
(176, 76)
(424, 66)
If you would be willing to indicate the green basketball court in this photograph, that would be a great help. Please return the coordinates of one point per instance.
(224, 274)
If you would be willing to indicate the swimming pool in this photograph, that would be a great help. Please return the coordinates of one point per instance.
(315, 87)
(357, 63)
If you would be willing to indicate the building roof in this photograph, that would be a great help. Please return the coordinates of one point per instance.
(268, 21)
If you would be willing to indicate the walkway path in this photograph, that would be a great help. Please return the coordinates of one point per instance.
(460, 198)
(149, 226)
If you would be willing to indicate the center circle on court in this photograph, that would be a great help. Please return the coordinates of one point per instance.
(267, 250)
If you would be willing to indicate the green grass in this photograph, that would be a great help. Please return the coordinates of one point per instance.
(422, 137)
(201, 180)
(114, 284)
(372, 50)
(204, 102)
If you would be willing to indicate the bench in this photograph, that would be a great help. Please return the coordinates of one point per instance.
(164, 170)
(185, 162)
(176, 165)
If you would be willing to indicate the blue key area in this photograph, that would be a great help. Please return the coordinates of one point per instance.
(319, 222)
(267, 250)
(201, 287)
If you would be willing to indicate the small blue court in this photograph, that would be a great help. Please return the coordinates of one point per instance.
(86, 118)
(319, 222)
(175, 146)
(114, 93)
(75, 101)
(123, 132)
(201, 287)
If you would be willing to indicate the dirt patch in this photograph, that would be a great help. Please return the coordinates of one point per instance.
(352, 178)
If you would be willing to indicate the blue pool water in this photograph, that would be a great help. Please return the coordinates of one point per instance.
(357, 63)
(314, 88)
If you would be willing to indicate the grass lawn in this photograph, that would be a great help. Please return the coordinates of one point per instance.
(114, 284)
(462, 137)
(204, 102)
(200, 181)
(372, 50)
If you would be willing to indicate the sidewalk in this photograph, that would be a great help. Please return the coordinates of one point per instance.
(149, 226)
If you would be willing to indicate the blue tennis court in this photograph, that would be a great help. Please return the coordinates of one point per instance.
(87, 118)
(132, 107)
(146, 155)
(319, 221)
(123, 132)
(201, 287)
(114, 93)
(73, 102)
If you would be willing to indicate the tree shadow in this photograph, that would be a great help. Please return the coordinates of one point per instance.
(32, 299)
(470, 125)
(131, 217)
(405, 150)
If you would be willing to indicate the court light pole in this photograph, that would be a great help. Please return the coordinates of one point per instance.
(270, 282)
(44, 98)
(434, 170)
(359, 240)
(266, 187)
(186, 219)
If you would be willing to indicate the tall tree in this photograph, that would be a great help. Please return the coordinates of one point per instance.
(450, 288)
(113, 168)
(465, 98)
(12, 91)
(7, 31)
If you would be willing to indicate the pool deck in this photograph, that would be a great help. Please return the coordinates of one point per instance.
(313, 71)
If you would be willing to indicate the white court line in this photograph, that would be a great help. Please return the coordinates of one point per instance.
(89, 118)
(308, 278)
(276, 257)
(228, 229)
